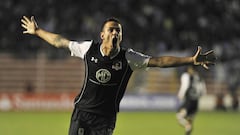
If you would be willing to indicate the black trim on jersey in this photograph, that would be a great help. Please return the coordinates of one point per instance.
(78, 98)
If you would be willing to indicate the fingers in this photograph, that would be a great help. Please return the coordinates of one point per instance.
(209, 52)
(205, 59)
(25, 32)
(205, 66)
(33, 20)
(195, 57)
(29, 25)
(199, 50)
(210, 56)
(24, 26)
(26, 19)
(197, 53)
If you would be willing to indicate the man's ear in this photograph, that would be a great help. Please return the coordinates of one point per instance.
(102, 35)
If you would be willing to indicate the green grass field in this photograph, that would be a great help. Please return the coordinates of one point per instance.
(129, 123)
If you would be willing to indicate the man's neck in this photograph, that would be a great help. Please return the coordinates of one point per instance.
(108, 51)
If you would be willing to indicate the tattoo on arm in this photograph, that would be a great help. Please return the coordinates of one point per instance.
(60, 41)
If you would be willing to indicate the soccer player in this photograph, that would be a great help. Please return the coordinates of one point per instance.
(192, 87)
(233, 83)
(108, 69)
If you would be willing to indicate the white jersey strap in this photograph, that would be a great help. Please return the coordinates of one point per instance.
(184, 85)
(137, 60)
(79, 49)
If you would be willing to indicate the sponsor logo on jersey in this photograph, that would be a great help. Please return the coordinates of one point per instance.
(117, 65)
(103, 75)
(94, 59)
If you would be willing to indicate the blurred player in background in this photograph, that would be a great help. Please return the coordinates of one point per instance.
(233, 82)
(192, 87)
(108, 68)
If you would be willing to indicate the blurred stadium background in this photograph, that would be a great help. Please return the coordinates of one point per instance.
(36, 77)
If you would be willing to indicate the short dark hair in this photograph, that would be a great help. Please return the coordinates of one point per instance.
(110, 19)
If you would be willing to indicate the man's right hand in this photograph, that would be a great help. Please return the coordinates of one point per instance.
(29, 25)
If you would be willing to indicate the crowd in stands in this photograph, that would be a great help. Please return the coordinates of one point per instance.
(152, 26)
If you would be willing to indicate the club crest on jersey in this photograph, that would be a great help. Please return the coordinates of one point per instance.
(117, 65)
(94, 59)
(103, 75)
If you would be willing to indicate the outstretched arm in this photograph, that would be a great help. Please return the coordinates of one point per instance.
(204, 60)
(31, 27)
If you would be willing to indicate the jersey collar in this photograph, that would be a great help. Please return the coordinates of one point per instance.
(111, 57)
